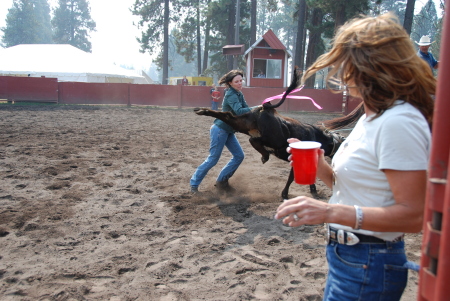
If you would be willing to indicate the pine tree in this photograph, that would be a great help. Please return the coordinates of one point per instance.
(72, 23)
(409, 15)
(156, 16)
(435, 49)
(323, 17)
(299, 55)
(425, 22)
(254, 9)
(187, 37)
(396, 6)
(223, 21)
(316, 27)
(27, 22)
(42, 15)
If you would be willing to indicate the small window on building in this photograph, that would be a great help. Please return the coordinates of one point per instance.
(267, 68)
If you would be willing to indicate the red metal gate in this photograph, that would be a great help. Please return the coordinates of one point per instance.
(434, 283)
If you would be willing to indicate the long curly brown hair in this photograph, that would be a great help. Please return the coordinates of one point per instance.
(377, 57)
(228, 78)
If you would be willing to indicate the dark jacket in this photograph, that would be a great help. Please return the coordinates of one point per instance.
(234, 102)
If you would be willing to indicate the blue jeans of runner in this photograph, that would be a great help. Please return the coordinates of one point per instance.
(366, 271)
(214, 105)
(218, 140)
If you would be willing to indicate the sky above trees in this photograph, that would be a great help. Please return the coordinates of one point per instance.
(115, 38)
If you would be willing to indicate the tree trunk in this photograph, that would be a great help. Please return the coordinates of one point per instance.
(253, 23)
(236, 33)
(199, 44)
(207, 41)
(230, 32)
(409, 15)
(166, 44)
(299, 57)
(340, 15)
(314, 40)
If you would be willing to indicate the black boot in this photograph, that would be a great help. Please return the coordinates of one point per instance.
(194, 190)
(224, 187)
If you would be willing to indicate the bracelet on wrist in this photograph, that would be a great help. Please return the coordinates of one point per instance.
(359, 217)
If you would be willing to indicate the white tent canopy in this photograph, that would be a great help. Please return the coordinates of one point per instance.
(65, 62)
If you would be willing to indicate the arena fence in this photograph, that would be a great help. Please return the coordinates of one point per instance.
(33, 89)
(435, 260)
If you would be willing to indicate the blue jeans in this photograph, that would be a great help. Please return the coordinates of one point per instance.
(366, 271)
(214, 105)
(219, 138)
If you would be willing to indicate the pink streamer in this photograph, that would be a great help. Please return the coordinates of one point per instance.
(293, 97)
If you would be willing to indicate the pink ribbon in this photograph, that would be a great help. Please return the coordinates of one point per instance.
(293, 97)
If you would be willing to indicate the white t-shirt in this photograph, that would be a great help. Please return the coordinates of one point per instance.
(399, 139)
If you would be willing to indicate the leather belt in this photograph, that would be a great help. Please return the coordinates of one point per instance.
(352, 238)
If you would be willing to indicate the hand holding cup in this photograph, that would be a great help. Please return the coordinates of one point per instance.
(304, 160)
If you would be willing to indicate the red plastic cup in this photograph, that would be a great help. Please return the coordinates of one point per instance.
(305, 156)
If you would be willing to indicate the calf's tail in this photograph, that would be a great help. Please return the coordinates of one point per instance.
(294, 84)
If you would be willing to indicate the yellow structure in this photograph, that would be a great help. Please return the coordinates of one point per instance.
(193, 80)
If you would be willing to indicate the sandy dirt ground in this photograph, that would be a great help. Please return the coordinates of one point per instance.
(94, 205)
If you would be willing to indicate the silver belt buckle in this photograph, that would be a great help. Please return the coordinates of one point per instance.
(352, 239)
(341, 237)
(347, 238)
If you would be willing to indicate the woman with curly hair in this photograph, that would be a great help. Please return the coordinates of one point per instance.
(379, 174)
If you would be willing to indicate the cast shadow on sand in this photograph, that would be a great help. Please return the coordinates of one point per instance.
(243, 209)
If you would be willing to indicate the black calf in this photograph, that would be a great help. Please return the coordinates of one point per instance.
(269, 132)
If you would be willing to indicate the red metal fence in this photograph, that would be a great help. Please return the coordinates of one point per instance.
(50, 90)
(29, 88)
(435, 260)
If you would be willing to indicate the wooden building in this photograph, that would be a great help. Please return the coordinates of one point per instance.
(267, 62)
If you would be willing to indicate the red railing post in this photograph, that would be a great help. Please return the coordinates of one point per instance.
(435, 261)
